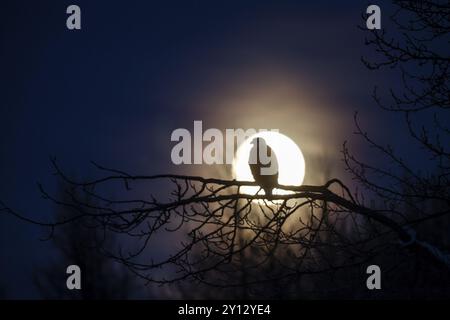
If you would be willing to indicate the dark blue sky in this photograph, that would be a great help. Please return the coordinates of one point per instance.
(114, 91)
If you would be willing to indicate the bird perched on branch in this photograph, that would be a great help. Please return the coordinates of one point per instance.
(263, 165)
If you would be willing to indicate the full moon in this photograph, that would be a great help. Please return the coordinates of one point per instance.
(291, 164)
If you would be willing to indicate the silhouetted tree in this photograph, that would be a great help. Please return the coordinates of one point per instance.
(313, 241)
(241, 241)
(81, 244)
(413, 187)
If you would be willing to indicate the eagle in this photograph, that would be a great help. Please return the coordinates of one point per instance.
(263, 165)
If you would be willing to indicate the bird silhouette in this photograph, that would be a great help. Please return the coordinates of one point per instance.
(263, 165)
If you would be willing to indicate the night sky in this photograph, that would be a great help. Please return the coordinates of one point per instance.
(114, 91)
